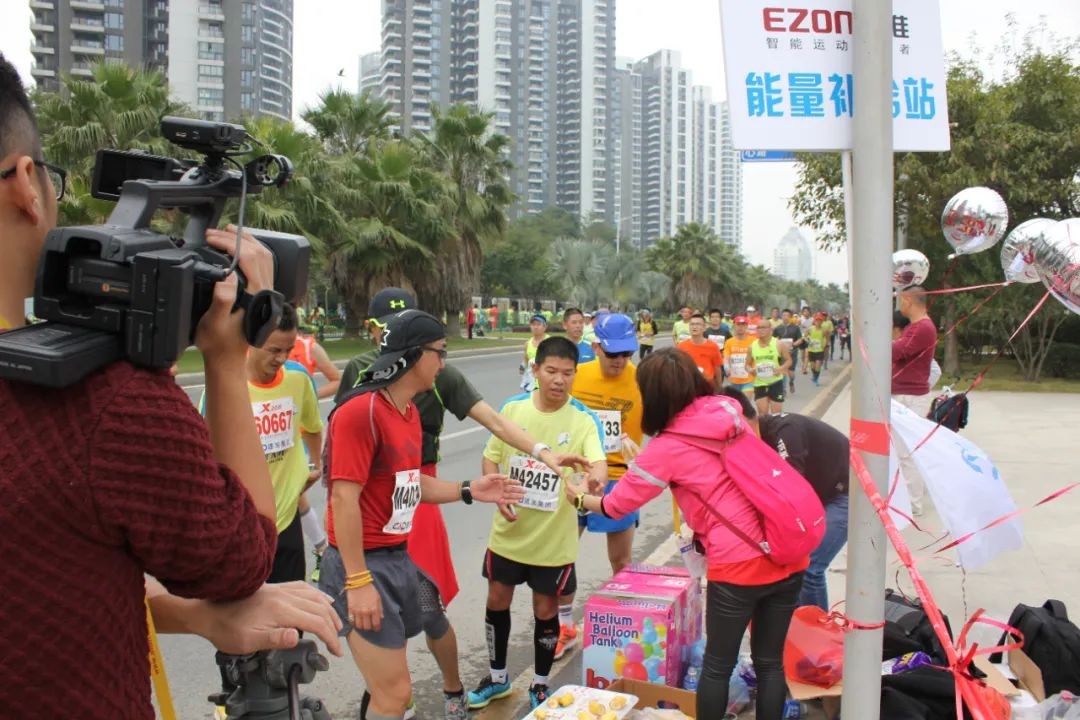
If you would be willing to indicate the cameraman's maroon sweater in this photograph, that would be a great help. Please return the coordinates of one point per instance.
(100, 483)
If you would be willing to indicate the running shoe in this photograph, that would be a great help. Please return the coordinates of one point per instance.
(567, 640)
(410, 711)
(454, 707)
(487, 691)
(538, 695)
(318, 566)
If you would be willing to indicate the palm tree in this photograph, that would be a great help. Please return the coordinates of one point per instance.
(690, 259)
(463, 147)
(120, 108)
(349, 123)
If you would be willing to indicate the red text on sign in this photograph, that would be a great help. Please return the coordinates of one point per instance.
(804, 20)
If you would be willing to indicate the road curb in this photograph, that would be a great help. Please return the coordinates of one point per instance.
(820, 405)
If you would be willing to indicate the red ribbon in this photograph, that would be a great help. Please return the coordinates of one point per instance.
(983, 702)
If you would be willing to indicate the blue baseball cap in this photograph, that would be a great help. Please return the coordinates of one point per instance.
(538, 318)
(615, 333)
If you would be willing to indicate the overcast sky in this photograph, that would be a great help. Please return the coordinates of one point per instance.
(330, 35)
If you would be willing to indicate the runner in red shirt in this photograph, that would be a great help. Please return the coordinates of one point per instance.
(373, 468)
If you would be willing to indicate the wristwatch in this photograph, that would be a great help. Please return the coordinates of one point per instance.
(466, 493)
(580, 503)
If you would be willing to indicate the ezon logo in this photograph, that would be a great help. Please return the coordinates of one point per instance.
(803, 20)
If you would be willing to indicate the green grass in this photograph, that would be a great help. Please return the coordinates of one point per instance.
(1005, 376)
(343, 349)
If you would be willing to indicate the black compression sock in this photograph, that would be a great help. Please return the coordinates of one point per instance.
(545, 637)
(498, 637)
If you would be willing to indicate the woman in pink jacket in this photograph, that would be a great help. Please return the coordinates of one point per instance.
(744, 585)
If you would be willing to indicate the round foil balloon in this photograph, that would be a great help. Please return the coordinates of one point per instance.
(974, 220)
(1016, 255)
(910, 267)
(1056, 256)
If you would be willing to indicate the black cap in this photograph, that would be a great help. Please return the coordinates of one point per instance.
(389, 301)
(405, 333)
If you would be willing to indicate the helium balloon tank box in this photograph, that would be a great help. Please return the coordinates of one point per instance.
(641, 625)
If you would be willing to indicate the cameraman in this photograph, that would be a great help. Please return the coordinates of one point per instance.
(114, 477)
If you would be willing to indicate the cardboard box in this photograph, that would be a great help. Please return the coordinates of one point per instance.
(641, 625)
(1027, 673)
(651, 695)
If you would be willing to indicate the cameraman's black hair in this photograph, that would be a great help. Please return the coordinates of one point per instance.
(18, 126)
(288, 319)
(748, 410)
(556, 346)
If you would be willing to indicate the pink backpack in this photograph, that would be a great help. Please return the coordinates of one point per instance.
(792, 517)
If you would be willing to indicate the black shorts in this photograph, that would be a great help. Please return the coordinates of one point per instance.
(817, 356)
(774, 391)
(551, 581)
(289, 560)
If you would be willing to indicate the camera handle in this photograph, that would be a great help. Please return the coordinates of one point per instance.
(203, 198)
(267, 684)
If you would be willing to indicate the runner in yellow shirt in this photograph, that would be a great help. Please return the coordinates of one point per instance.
(538, 326)
(771, 364)
(539, 546)
(286, 414)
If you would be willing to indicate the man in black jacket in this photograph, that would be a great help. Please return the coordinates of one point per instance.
(819, 452)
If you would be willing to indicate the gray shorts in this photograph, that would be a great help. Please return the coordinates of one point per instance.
(398, 581)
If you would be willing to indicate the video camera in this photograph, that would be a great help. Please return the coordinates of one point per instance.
(124, 290)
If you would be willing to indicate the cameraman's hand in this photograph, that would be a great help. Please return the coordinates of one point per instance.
(220, 332)
(269, 620)
(365, 608)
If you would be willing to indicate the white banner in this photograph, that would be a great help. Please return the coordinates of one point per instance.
(791, 75)
(965, 485)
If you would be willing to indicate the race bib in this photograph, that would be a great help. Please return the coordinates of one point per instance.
(787, 343)
(274, 421)
(542, 488)
(766, 370)
(404, 501)
(611, 422)
(817, 344)
(684, 336)
(718, 339)
(738, 366)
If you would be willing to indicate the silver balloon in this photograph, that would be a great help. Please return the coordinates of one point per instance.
(1056, 256)
(910, 267)
(974, 220)
(1016, 254)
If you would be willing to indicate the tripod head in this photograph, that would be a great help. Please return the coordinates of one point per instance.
(267, 684)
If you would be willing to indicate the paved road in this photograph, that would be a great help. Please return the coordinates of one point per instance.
(189, 660)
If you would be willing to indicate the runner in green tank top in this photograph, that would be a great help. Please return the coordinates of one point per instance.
(771, 363)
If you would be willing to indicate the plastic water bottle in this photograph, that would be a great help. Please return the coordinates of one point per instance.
(690, 682)
(795, 710)
(1065, 703)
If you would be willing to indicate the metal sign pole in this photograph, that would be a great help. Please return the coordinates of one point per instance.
(871, 286)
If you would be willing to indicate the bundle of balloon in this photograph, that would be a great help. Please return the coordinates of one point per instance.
(642, 625)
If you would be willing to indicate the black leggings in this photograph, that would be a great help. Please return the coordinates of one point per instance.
(730, 608)
(644, 350)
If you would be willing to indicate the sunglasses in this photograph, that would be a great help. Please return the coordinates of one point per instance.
(57, 176)
(441, 352)
(626, 354)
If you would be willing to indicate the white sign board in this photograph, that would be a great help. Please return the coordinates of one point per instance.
(791, 75)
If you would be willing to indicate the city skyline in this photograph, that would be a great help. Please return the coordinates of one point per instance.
(331, 34)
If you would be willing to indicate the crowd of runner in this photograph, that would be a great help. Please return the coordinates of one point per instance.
(573, 433)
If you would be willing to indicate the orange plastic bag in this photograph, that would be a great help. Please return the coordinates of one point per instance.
(814, 648)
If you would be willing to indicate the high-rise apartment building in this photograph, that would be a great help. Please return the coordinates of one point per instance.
(370, 72)
(792, 258)
(69, 36)
(626, 157)
(224, 59)
(543, 68)
(667, 161)
(707, 121)
(731, 185)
